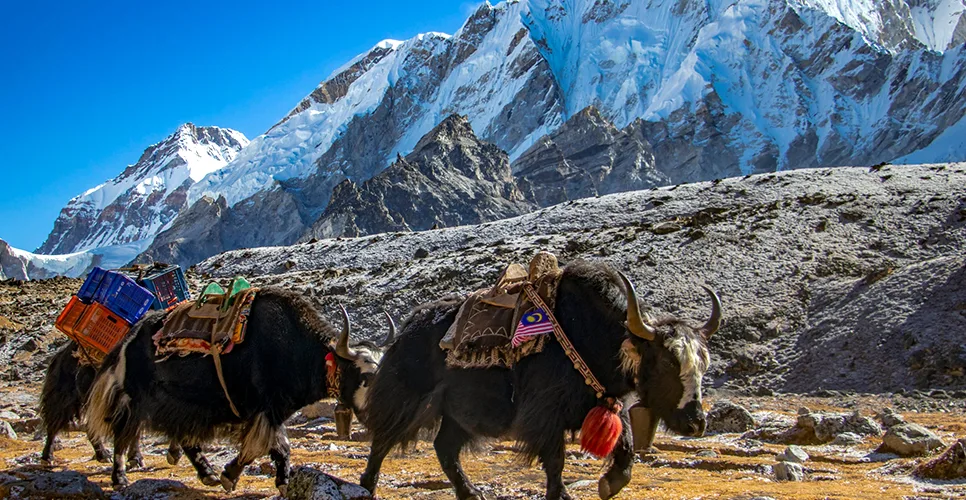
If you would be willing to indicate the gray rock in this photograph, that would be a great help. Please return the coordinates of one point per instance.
(793, 454)
(950, 465)
(889, 417)
(707, 454)
(789, 471)
(907, 440)
(847, 439)
(310, 484)
(825, 426)
(152, 488)
(319, 409)
(8, 415)
(6, 430)
(726, 416)
(44, 485)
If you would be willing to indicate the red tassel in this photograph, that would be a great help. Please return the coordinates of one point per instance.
(330, 365)
(602, 428)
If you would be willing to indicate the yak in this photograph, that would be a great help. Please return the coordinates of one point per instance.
(542, 396)
(278, 369)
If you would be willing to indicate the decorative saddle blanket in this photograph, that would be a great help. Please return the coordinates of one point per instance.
(215, 322)
(498, 326)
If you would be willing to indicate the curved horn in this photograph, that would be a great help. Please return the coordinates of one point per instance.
(392, 331)
(635, 323)
(342, 346)
(715, 321)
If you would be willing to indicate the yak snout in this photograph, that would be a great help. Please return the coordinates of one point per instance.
(691, 420)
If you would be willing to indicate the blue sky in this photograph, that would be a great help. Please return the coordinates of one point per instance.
(88, 85)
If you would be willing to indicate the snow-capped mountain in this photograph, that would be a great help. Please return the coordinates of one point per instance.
(122, 216)
(697, 90)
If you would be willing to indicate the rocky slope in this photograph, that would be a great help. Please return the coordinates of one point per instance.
(123, 215)
(707, 89)
(832, 278)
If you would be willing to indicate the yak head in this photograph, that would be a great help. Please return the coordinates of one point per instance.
(668, 359)
(358, 364)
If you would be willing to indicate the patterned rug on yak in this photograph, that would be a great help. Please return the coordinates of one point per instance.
(498, 326)
(212, 324)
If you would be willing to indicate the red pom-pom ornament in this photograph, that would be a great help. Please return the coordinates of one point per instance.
(602, 428)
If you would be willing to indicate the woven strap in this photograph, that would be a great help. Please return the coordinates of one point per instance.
(216, 357)
(568, 348)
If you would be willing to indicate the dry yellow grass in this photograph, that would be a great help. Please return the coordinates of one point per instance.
(677, 472)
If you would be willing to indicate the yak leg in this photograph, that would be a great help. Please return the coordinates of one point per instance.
(280, 453)
(206, 474)
(100, 451)
(381, 445)
(552, 456)
(448, 444)
(257, 440)
(619, 473)
(134, 458)
(126, 432)
(174, 453)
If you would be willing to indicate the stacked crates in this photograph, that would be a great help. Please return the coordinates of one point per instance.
(104, 309)
(168, 285)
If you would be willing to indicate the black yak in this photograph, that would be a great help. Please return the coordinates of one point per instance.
(542, 396)
(66, 387)
(278, 369)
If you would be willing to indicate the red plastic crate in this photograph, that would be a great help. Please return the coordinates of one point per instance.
(92, 325)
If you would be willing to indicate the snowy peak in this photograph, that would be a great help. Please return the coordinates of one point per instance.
(138, 203)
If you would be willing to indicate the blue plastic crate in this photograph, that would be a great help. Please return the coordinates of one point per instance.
(89, 289)
(123, 297)
(168, 285)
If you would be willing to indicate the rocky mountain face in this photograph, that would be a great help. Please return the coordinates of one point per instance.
(450, 179)
(124, 214)
(588, 156)
(683, 92)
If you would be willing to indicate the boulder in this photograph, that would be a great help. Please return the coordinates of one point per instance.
(847, 439)
(789, 471)
(950, 465)
(824, 427)
(726, 416)
(310, 484)
(6, 430)
(793, 454)
(889, 417)
(43, 484)
(908, 440)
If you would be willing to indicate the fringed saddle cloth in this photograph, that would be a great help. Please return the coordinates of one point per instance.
(215, 322)
(499, 326)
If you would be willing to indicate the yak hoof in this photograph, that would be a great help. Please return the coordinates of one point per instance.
(210, 480)
(135, 462)
(282, 490)
(119, 481)
(607, 487)
(103, 457)
(173, 459)
(227, 483)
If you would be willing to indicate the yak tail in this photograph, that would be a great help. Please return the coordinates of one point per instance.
(107, 400)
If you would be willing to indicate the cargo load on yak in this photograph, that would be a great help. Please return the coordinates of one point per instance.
(111, 301)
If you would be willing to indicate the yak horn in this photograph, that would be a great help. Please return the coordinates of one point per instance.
(342, 346)
(635, 323)
(392, 331)
(715, 321)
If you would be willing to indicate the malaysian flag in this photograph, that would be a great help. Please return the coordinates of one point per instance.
(533, 323)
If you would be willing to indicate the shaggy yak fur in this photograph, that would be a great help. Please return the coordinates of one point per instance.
(278, 369)
(542, 397)
(66, 388)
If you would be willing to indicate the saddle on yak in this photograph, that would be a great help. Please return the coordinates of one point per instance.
(213, 324)
(499, 326)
